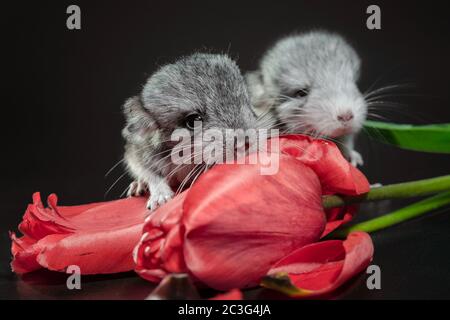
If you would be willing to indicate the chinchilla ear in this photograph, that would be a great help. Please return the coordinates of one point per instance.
(255, 87)
(139, 122)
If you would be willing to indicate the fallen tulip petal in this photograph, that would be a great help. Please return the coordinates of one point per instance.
(98, 237)
(93, 252)
(26, 250)
(321, 267)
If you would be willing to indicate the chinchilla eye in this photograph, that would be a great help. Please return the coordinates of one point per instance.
(189, 121)
(301, 93)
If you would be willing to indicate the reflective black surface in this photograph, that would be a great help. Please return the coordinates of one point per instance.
(61, 116)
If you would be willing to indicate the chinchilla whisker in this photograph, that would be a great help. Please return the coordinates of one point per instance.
(394, 95)
(388, 88)
(186, 179)
(125, 191)
(176, 150)
(115, 182)
(191, 157)
(171, 173)
(114, 166)
(264, 114)
(387, 106)
(179, 166)
(386, 103)
(200, 172)
(376, 116)
(375, 132)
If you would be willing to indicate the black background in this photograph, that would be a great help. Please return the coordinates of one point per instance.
(62, 93)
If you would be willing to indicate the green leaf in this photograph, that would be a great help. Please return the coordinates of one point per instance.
(426, 138)
(398, 216)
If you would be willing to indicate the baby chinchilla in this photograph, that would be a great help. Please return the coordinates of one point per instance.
(205, 88)
(307, 82)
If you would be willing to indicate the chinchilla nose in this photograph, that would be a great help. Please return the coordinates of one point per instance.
(345, 117)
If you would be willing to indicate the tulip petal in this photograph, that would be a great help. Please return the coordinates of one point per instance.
(336, 217)
(159, 252)
(39, 221)
(97, 237)
(26, 250)
(335, 173)
(321, 267)
(239, 222)
(97, 252)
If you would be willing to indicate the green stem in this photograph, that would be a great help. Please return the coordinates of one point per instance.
(395, 217)
(393, 191)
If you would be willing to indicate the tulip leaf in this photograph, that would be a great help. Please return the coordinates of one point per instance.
(427, 138)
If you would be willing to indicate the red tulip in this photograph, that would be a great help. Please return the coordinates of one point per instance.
(97, 237)
(234, 224)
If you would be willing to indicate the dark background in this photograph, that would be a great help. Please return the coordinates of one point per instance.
(62, 94)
